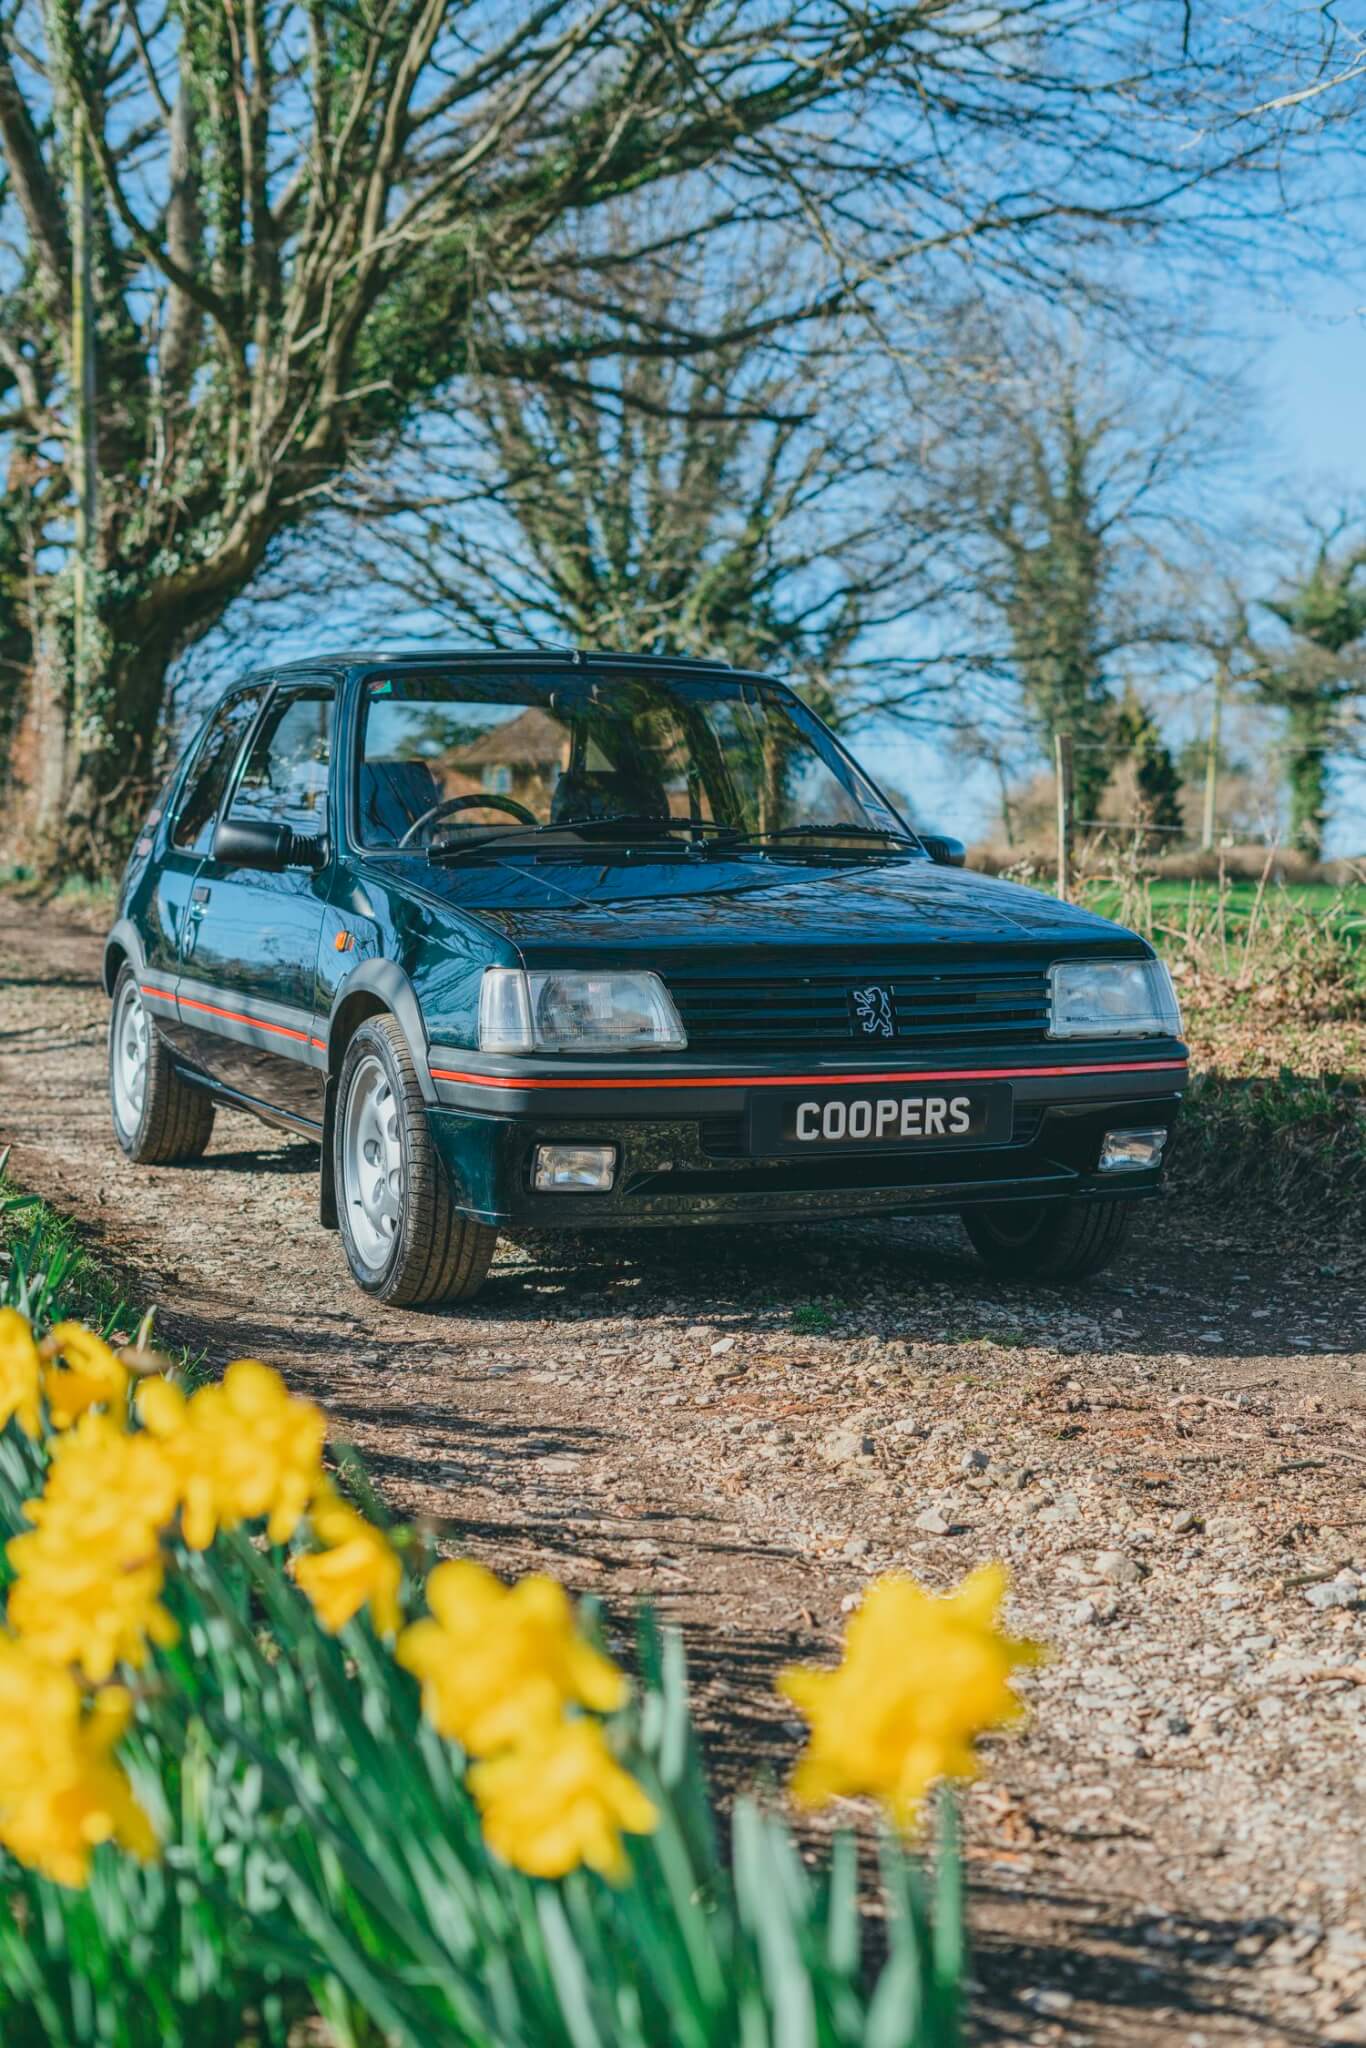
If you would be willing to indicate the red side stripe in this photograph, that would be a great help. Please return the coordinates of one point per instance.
(806, 1080)
(234, 1016)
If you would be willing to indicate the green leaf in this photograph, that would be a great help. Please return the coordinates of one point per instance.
(842, 1926)
(571, 1979)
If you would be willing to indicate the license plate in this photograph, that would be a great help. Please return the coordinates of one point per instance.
(887, 1119)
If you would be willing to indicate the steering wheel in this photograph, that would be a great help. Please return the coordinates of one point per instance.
(473, 800)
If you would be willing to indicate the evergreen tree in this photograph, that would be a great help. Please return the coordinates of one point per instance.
(1314, 679)
(1157, 779)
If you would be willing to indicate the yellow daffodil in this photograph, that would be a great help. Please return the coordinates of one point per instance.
(89, 1573)
(560, 1799)
(358, 1565)
(20, 1373)
(61, 1790)
(242, 1448)
(91, 1377)
(499, 1661)
(161, 1406)
(923, 1675)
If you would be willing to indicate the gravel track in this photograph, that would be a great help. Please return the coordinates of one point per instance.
(1172, 1459)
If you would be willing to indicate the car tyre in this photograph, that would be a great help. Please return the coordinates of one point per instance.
(406, 1242)
(1047, 1240)
(159, 1118)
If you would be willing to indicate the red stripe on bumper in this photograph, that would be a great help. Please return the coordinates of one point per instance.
(805, 1080)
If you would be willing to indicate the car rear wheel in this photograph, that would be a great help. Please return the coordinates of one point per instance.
(159, 1118)
(1047, 1240)
(406, 1242)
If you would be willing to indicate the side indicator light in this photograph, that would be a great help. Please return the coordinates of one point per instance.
(344, 941)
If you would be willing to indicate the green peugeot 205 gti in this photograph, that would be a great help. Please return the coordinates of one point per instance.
(557, 941)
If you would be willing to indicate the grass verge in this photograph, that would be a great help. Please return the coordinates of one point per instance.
(1291, 1146)
(1272, 982)
(46, 1269)
(75, 895)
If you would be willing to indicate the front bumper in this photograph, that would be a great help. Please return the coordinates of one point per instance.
(682, 1155)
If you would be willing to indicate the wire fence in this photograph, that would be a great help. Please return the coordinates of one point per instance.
(1140, 839)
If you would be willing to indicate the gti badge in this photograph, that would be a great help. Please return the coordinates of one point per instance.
(872, 1009)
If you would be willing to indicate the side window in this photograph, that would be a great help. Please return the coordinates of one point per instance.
(209, 771)
(285, 778)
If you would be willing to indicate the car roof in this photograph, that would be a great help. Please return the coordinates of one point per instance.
(559, 657)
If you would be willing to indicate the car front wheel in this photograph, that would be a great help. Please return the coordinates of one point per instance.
(405, 1241)
(1047, 1240)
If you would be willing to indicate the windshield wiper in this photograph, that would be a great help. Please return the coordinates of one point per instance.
(518, 835)
(886, 833)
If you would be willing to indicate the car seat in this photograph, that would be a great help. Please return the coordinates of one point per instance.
(580, 793)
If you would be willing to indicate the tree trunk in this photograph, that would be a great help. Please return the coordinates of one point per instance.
(79, 783)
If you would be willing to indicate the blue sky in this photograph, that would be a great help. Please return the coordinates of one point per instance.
(1314, 377)
(1306, 360)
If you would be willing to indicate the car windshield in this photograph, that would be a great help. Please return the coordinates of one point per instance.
(459, 758)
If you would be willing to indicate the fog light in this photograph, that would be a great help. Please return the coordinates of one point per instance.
(1126, 1151)
(569, 1169)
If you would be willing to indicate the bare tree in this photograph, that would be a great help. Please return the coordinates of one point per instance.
(1320, 73)
(239, 238)
(1072, 476)
(758, 502)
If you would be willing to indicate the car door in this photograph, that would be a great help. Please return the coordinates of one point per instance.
(248, 985)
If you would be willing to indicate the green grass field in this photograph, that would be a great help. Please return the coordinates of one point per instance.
(1240, 895)
(1207, 918)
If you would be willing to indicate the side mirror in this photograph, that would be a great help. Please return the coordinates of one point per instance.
(943, 851)
(256, 843)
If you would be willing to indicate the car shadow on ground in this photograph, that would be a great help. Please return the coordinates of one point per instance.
(1142, 1970)
(268, 1157)
(1183, 1285)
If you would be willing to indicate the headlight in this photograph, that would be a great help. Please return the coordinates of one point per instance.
(568, 1010)
(1113, 999)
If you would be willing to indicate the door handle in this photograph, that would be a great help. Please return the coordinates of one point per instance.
(194, 912)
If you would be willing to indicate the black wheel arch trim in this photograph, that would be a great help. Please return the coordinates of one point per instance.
(393, 991)
(121, 943)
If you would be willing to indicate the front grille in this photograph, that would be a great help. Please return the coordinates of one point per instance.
(933, 1009)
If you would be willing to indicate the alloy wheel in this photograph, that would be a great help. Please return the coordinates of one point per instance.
(372, 1163)
(129, 1047)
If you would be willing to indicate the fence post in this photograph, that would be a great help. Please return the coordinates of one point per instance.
(1062, 760)
(1212, 758)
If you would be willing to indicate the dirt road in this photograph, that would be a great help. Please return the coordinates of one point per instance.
(1173, 1461)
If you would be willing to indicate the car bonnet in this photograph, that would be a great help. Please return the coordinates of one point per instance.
(554, 908)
